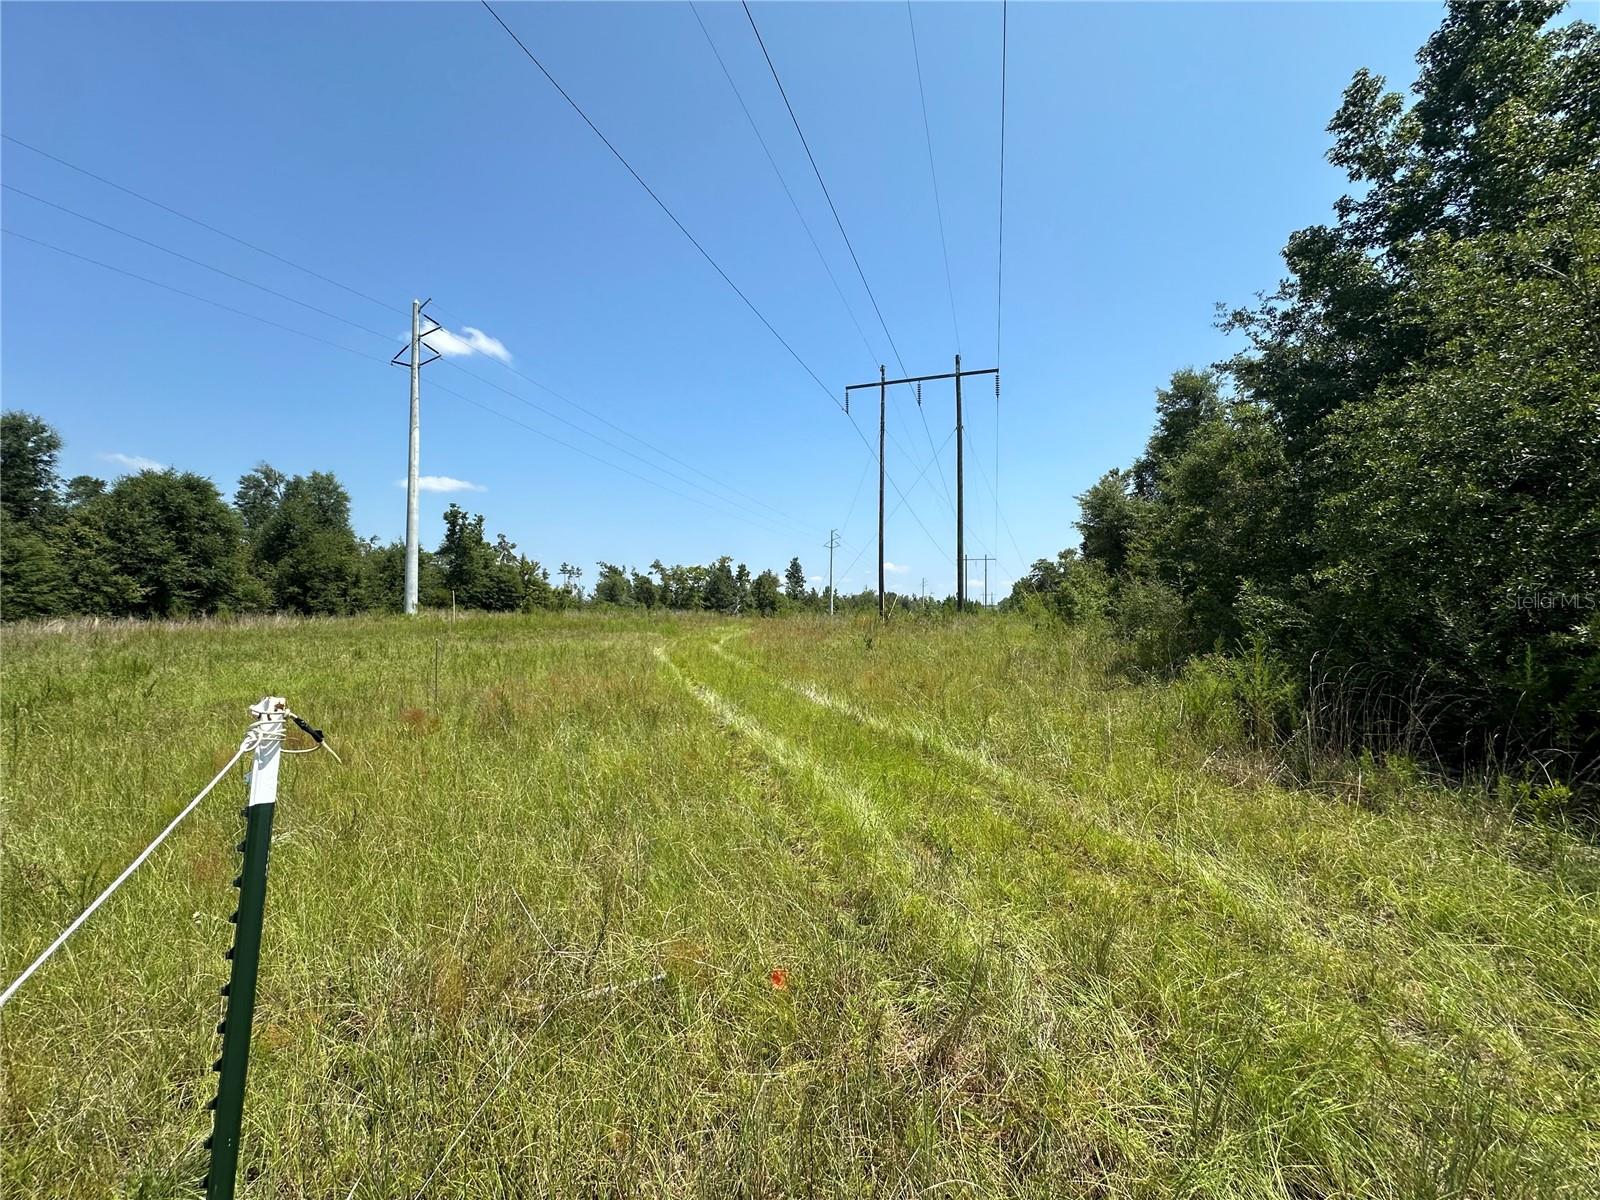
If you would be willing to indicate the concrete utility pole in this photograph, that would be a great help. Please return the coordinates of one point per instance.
(833, 544)
(415, 362)
(414, 460)
(883, 386)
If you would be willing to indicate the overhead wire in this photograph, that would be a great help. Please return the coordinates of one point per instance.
(938, 205)
(745, 517)
(618, 155)
(660, 203)
(784, 183)
(378, 333)
(839, 222)
(167, 208)
(321, 312)
(999, 271)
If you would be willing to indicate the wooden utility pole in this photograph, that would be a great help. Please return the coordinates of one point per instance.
(883, 385)
(961, 497)
(833, 544)
(883, 401)
(985, 560)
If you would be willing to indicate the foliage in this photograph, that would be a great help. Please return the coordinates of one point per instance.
(1401, 474)
(306, 548)
(764, 593)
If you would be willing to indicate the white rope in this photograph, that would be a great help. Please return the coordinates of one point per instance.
(249, 743)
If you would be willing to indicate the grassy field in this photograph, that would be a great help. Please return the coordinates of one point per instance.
(1039, 931)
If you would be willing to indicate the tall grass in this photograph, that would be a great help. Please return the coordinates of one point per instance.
(1039, 931)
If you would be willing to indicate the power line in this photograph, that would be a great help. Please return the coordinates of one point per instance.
(848, 245)
(793, 203)
(181, 292)
(649, 445)
(896, 486)
(617, 154)
(639, 179)
(747, 518)
(817, 171)
(1000, 257)
(321, 312)
(1000, 263)
(902, 504)
(938, 206)
(390, 307)
(1000, 515)
(799, 526)
(197, 221)
(387, 338)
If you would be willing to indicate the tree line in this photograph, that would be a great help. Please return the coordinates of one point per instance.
(1397, 482)
(164, 543)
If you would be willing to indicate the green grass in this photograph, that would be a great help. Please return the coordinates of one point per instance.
(1047, 933)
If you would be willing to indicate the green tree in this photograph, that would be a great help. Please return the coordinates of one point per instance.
(1187, 405)
(645, 590)
(1110, 518)
(33, 581)
(305, 549)
(764, 593)
(29, 452)
(161, 544)
(464, 555)
(258, 495)
(611, 585)
(721, 594)
(794, 581)
(81, 489)
(380, 576)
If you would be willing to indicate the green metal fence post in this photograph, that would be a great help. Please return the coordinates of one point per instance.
(245, 955)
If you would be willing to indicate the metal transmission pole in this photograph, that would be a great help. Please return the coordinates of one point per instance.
(415, 362)
(883, 385)
(833, 544)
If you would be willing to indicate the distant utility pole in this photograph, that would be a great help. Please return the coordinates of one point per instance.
(833, 544)
(883, 385)
(416, 362)
(985, 560)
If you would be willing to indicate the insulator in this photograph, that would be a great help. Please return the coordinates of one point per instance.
(997, 385)
(919, 394)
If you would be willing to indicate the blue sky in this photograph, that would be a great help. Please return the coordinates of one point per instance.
(1157, 156)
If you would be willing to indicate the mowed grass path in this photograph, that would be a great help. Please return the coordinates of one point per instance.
(1044, 932)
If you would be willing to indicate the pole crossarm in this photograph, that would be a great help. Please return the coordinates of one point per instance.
(923, 378)
(883, 384)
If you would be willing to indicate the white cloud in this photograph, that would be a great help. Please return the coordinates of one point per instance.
(134, 462)
(894, 568)
(815, 579)
(468, 342)
(443, 483)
